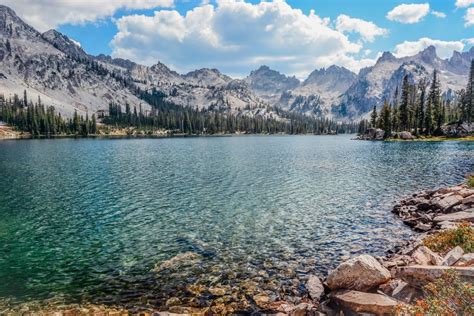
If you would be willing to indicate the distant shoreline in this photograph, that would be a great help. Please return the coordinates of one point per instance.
(149, 136)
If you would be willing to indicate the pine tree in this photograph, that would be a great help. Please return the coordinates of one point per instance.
(420, 110)
(403, 111)
(25, 99)
(373, 117)
(433, 109)
(76, 123)
(94, 125)
(385, 118)
(469, 111)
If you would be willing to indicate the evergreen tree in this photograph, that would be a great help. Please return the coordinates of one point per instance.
(469, 106)
(420, 110)
(76, 123)
(403, 111)
(94, 125)
(434, 102)
(385, 117)
(373, 117)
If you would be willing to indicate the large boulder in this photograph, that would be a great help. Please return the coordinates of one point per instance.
(468, 200)
(360, 273)
(424, 256)
(452, 256)
(464, 216)
(406, 135)
(315, 288)
(420, 275)
(446, 203)
(458, 129)
(466, 260)
(361, 302)
(401, 291)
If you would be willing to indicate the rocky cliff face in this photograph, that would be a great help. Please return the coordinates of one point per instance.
(319, 92)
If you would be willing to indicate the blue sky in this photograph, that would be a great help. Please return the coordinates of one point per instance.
(236, 37)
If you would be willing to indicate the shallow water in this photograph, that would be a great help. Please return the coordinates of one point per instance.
(88, 219)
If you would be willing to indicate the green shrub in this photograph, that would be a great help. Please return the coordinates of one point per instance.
(442, 242)
(446, 296)
(470, 181)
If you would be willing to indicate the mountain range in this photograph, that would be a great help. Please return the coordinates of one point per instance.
(56, 69)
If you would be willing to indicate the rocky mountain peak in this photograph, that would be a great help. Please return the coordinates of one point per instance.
(386, 56)
(207, 76)
(65, 45)
(12, 26)
(428, 55)
(120, 62)
(332, 75)
(268, 80)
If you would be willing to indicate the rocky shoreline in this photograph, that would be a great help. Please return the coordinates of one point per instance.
(360, 285)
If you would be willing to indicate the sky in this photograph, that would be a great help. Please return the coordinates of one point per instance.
(235, 36)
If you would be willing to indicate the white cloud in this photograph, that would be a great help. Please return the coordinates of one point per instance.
(438, 14)
(464, 3)
(48, 14)
(368, 30)
(236, 36)
(444, 49)
(409, 13)
(469, 17)
(78, 44)
(469, 41)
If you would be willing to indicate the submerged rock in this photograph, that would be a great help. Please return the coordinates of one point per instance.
(360, 273)
(315, 288)
(177, 261)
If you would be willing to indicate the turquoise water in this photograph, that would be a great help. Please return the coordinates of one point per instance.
(88, 219)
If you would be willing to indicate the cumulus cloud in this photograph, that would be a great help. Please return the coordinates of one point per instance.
(438, 14)
(236, 36)
(444, 49)
(409, 13)
(367, 30)
(464, 3)
(469, 17)
(48, 14)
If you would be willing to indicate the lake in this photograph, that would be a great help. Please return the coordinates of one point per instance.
(91, 219)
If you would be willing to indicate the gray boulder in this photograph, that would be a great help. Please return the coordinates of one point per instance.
(360, 273)
(361, 302)
(452, 256)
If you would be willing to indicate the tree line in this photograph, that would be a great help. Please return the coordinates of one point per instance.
(421, 108)
(188, 120)
(41, 120)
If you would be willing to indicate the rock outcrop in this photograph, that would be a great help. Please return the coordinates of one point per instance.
(361, 302)
(436, 209)
(360, 273)
(420, 275)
